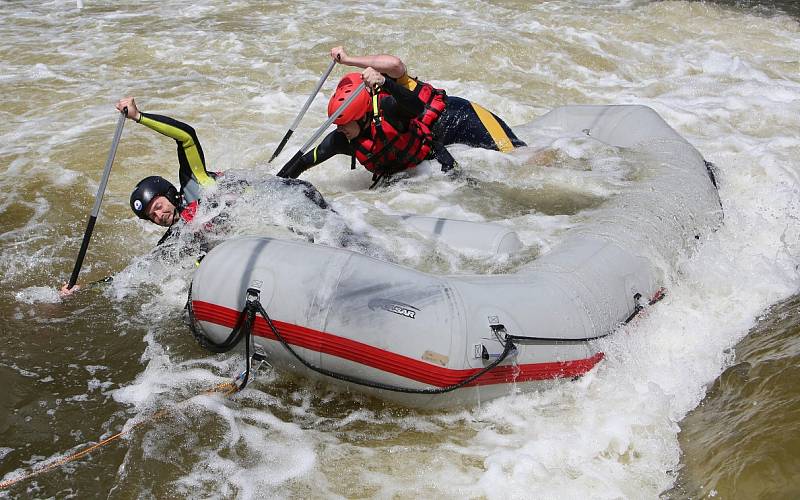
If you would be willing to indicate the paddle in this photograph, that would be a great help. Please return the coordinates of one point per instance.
(293, 165)
(302, 111)
(97, 199)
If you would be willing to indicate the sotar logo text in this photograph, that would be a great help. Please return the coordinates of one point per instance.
(400, 308)
(408, 313)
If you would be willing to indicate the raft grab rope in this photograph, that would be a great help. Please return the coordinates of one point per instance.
(244, 326)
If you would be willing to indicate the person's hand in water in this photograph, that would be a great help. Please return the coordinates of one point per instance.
(66, 292)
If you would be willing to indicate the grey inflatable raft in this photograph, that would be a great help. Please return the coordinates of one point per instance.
(436, 341)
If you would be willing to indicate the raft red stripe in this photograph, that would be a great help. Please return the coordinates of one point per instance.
(391, 362)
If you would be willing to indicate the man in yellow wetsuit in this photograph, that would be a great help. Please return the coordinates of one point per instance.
(158, 200)
(155, 198)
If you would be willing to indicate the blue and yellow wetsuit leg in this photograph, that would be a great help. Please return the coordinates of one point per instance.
(465, 122)
(192, 171)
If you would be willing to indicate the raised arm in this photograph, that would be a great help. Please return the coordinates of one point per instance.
(190, 153)
(384, 63)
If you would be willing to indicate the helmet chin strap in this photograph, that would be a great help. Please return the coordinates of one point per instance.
(179, 207)
(363, 122)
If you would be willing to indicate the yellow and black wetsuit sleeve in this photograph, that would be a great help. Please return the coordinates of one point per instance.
(190, 153)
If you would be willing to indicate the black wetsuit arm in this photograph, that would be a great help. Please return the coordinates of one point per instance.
(335, 143)
(406, 103)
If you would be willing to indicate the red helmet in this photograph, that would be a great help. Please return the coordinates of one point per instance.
(357, 108)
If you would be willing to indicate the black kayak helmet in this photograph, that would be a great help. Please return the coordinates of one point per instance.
(148, 189)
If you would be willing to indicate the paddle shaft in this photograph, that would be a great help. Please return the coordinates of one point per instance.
(87, 235)
(303, 111)
(289, 168)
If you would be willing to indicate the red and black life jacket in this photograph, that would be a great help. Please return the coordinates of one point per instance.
(188, 212)
(385, 150)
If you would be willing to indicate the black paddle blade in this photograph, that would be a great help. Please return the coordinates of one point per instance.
(281, 145)
(87, 235)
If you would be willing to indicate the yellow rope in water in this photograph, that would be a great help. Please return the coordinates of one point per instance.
(229, 388)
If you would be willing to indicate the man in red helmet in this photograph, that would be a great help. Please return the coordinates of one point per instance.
(400, 122)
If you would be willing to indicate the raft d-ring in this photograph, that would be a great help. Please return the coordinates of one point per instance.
(587, 131)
